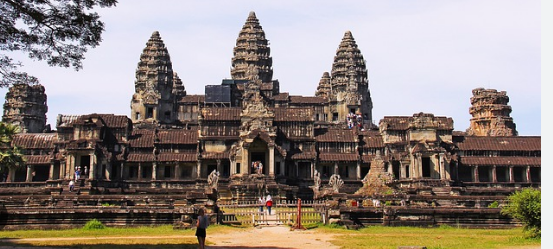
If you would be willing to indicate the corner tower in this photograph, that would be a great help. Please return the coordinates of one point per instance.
(349, 84)
(252, 51)
(26, 107)
(491, 114)
(154, 98)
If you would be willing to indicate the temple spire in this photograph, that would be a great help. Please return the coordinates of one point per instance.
(153, 100)
(252, 58)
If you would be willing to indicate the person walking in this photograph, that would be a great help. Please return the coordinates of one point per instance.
(261, 203)
(201, 224)
(269, 203)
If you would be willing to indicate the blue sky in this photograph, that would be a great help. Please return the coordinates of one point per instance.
(422, 56)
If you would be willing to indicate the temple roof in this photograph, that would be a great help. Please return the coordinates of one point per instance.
(348, 56)
(283, 114)
(337, 136)
(221, 114)
(516, 143)
(35, 140)
(500, 161)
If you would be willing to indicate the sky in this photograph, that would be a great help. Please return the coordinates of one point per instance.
(421, 55)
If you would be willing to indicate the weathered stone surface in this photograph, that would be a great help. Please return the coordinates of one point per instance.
(25, 106)
(491, 114)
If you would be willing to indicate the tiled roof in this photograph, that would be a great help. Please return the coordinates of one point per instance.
(373, 139)
(35, 140)
(177, 157)
(281, 97)
(293, 114)
(111, 120)
(66, 120)
(178, 136)
(221, 113)
(192, 99)
(215, 155)
(307, 100)
(517, 143)
(500, 161)
(396, 122)
(338, 157)
(142, 138)
(336, 135)
(140, 157)
(37, 159)
(403, 122)
(303, 155)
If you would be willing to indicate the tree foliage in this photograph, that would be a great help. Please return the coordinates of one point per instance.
(10, 156)
(525, 206)
(56, 31)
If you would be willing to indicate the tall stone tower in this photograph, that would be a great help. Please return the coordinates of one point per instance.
(154, 100)
(491, 114)
(349, 85)
(252, 51)
(26, 107)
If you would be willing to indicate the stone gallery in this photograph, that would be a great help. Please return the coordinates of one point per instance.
(245, 137)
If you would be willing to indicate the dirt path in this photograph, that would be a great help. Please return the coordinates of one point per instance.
(272, 237)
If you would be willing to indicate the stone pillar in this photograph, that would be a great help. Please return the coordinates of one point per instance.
(232, 167)
(476, 178)
(402, 171)
(92, 167)
(29, 177)
(218, 166)
(282, 168)
(494, 174)
(312, 169)
(122, 175)
(246, 164)
(441, 161)
(139, 176)
(63, 170)
(358, 170)
(154, 171)
(511, 174)
(336, 170)
(177, 171)
(198, 169)
(272, 160)
(51, 172)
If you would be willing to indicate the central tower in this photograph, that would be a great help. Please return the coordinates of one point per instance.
(252, 51)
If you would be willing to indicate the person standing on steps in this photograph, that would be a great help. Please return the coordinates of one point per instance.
(201, 224)
(71, 185)
(269, 203)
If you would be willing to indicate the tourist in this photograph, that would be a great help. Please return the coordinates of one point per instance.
(78, 173)
(71, 185)
(269, 203)
(201, 224)
(260, 168)
(261, 203)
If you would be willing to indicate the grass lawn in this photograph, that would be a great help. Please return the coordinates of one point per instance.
(369, 237)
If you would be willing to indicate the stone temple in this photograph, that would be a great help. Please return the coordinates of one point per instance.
(176, 141)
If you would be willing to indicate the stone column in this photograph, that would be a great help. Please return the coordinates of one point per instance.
(282, 168)
(154, 171)
(122, 176)
(29, 177)
(476, 178)
(402, 171)
(358, 170)
(336, 170)
(511, 174)
(177, 171)
(272, 160)
(312, 169)
(92, 167)
(218, 166)
(198, 169)
(63, 170)
(139, 176)
(232, 167)
(441, 161)
(246, 164)
(51, 172)
(494, 174)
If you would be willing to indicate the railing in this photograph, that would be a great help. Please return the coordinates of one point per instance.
(284, 212)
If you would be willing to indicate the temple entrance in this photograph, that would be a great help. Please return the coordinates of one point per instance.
(258, 160)
(259, 157)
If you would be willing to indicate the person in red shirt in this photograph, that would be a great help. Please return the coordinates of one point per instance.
(269, 203)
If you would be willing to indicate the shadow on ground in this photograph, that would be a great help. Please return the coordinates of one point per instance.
(11, 245)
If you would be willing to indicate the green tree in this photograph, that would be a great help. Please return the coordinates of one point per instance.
(11, 157)
(525, 206)
(57, 31)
